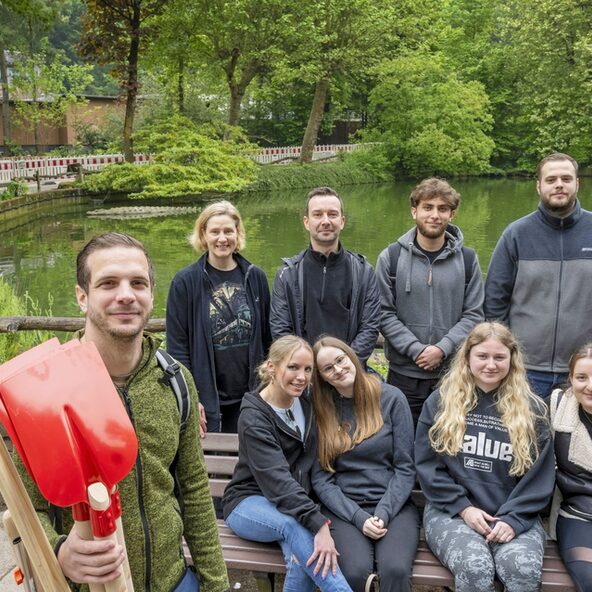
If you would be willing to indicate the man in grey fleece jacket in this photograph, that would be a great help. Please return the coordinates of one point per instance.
(431, 293)
(539, 276)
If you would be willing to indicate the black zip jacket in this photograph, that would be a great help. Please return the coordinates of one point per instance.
(274, 462)
(188, 331)
(287, 306)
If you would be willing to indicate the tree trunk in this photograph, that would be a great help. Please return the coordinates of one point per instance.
(181, 86)
(132, 85)
(314, 120)
(236, 98)
(5, 99)
(37, 122)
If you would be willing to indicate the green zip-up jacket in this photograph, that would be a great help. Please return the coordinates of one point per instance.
(152, 520)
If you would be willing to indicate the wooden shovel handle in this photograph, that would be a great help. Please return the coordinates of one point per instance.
(126, 567)
(21, 555)
(43, 560)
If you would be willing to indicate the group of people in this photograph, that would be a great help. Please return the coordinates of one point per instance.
(328, 451)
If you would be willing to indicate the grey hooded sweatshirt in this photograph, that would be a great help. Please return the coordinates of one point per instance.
(431, 304)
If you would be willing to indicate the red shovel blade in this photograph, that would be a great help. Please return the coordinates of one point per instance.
(70, 423)
(11, 367)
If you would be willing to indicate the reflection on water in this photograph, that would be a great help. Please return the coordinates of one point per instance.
(39, 257)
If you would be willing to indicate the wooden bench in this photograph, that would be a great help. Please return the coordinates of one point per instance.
(220, 453)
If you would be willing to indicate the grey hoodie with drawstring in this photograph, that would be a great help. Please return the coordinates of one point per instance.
(433, 306)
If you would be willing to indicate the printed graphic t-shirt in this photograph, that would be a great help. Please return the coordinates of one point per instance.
(231, 326)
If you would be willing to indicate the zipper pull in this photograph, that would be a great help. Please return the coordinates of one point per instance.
(430, 277)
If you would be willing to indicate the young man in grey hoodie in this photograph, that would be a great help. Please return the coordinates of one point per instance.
(431, 293)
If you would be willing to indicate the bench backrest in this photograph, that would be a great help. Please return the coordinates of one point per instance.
(220, 451)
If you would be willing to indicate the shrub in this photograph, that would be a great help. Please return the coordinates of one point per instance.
(352, 168)
(187, 161)
(15, 188)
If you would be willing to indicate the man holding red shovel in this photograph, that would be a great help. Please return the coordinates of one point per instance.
(165, 496)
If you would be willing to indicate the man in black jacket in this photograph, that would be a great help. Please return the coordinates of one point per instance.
(326, 289)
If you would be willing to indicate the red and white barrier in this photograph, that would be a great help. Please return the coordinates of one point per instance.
(268, 155)
(57, 166)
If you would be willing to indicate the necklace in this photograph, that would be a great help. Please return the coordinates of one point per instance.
(288, 417)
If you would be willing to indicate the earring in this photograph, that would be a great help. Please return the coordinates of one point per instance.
(272, 378)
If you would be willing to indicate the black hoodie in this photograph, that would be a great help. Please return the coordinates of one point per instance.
(274, 462)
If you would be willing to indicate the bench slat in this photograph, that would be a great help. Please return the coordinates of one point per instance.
(216, 442)
(221, 465)
(217, 487)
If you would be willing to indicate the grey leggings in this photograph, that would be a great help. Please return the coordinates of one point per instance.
(475, 563)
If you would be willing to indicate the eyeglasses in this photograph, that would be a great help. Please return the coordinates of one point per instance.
(340, 361)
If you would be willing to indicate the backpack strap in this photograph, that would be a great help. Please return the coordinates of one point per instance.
(469, 257)
(174, 378)
(394, 250)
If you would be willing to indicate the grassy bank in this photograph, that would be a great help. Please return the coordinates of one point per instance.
(355, 168)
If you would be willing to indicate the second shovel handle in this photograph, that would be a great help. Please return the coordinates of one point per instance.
(84, 531)
(99, 500)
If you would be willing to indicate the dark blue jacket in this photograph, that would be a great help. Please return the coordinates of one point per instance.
(188, 331)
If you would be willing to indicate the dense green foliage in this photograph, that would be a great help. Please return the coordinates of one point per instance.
(431, 121)
(188, 160)
(453, 87)
(17, 187)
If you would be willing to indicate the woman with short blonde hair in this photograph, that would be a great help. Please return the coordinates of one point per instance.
(484, 458)
(217, 316)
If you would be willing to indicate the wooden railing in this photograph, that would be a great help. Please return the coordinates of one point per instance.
(13, 324)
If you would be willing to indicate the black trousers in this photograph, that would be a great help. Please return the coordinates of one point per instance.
(391, 557)
(417, 390)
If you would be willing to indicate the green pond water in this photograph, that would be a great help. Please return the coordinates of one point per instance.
(38, 256)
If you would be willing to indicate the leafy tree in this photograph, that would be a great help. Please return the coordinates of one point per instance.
(345, 40)
(23, 24)
(45, 90)
(112, 34)
(188, 160)
(551, 51)
(236, 41)
(430, 121)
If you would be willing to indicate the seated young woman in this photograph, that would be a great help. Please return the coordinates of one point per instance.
(571, 420)
(484, 458)
(365, 471)
(268, 498)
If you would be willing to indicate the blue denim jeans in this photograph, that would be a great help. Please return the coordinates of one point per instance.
(189, 582)
(543, 383)
(257, 519)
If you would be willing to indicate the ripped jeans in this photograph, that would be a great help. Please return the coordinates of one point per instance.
(257, 519)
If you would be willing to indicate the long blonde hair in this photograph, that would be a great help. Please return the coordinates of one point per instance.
(333, 440)
(519, 408)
